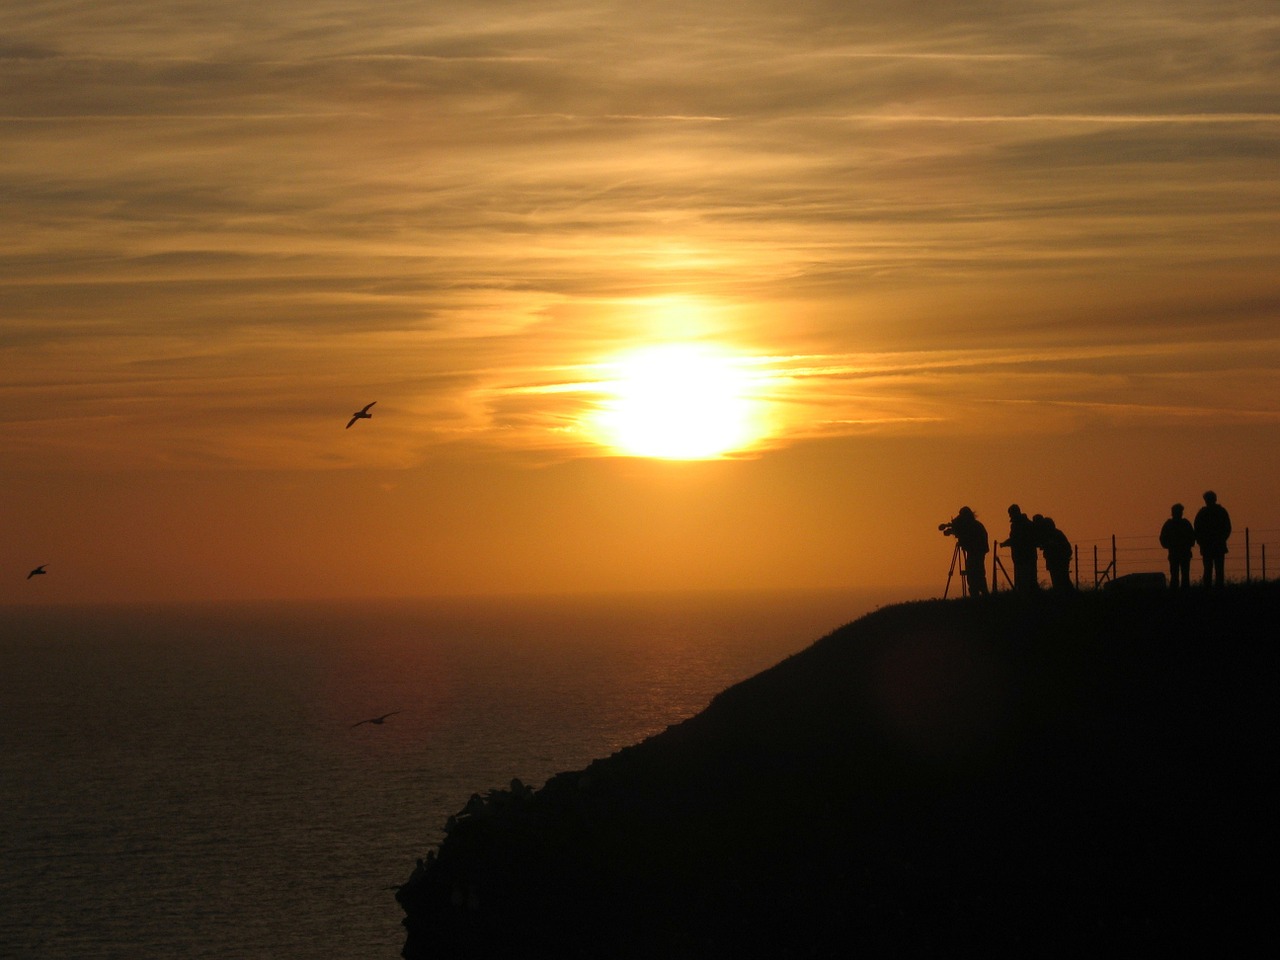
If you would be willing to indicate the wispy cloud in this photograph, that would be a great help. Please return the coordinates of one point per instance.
(285, 203)
(955, 392)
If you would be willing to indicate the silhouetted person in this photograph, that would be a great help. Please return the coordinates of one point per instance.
(1178, 536)
(1022, 549)
(972, 537)
(1057, 552)
(1213, 529)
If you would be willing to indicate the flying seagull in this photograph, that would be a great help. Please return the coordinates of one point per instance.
(361, 414)
(37, 571)
(378, 720)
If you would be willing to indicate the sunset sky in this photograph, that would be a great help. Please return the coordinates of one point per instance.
(887, 259)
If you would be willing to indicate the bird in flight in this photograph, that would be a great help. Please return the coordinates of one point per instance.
(37, 571)
(378, 720)
(361, 414)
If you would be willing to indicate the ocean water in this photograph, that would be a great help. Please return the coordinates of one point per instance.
(186, 781)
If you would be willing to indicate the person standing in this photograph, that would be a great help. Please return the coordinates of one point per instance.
(1057, 552)
(1178, 536)
(972, 537)
(1213, 529)
(1022, 550)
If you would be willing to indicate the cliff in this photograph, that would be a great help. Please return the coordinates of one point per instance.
(1001, 774)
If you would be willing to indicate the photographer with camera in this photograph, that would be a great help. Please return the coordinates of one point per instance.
(971, 536)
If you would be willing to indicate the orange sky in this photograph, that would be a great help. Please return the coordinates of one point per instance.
(965, 253)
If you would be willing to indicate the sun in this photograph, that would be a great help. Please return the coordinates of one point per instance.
(678, 402)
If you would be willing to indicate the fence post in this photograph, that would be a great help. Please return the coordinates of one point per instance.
(1114, 569)
(1264, 562)
(1095, 566)
(1076, 550)
(1248, 570)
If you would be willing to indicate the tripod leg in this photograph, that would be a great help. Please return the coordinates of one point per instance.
(955, 560)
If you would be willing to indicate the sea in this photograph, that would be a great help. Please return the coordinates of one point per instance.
(195, 780)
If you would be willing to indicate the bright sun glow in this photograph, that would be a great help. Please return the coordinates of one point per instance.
(678, 402)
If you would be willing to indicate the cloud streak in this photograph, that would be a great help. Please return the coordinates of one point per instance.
(287, 202)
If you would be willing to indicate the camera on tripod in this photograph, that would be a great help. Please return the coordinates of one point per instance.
(969, 551)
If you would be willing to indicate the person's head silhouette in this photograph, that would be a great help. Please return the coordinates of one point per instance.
(1210, 497)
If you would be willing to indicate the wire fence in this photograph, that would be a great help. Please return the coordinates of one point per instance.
(1253, 554)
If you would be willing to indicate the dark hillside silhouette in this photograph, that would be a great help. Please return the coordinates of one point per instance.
(1022, 774)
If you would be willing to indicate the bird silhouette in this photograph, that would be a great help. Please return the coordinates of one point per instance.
(37, 571)
(378, 720)
(361, 414)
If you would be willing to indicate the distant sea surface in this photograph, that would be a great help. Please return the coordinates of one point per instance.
(186, 781)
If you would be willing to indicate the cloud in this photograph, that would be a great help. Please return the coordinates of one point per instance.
(459, 201)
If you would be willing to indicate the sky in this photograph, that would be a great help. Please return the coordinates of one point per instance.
(889, 259)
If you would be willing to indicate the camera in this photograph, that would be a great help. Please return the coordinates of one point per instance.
(945, 529)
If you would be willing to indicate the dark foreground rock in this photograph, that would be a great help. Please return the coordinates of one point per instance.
(1004, 775)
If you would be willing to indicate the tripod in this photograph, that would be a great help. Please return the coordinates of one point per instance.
(957, 563)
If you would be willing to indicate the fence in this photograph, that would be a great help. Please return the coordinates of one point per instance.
(1100, 560)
